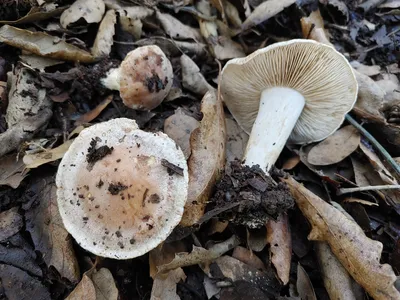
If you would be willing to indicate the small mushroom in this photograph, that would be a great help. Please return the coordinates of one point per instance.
(297, 92)
(143, 79)
(121, 190)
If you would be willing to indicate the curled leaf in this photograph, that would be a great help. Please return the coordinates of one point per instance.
(11, 171)
(192, 79)
(207, 159)
(37, 14)
(43, 44)
(90, 10)
(104, 38)
(358, 254)
(176, 29)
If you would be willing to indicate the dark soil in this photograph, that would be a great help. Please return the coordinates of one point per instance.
(259, 197)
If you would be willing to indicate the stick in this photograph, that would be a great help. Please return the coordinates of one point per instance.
(369, 137)
(367, 188)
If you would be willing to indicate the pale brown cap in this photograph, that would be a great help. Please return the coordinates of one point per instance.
(322, 75)
(146, 77)
(121, 190)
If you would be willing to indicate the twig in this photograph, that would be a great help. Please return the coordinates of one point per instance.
(369, 137)
(367, 188)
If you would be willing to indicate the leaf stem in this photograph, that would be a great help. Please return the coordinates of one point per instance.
(367, 188)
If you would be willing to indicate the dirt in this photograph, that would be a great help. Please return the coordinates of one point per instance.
(94, 155)
(171, 168)
(259, 197)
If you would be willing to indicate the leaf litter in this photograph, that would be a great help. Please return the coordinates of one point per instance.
(54, 55)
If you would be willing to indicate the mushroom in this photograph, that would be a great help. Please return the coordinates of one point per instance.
(297, 92)
(121, 190)
(143, 79)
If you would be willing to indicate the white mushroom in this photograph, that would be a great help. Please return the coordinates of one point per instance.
(297, 91)
(143, 79)
(121, 190)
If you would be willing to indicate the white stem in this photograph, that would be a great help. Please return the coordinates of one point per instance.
(111, 81)
(278, 113)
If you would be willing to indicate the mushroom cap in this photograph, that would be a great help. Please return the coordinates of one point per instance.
(321, 74)
(127, 202)
(146, 77)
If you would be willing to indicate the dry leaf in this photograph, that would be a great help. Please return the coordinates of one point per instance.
(304, 285)
(280, 241)
(90, 10)
(335, 147)
(207, 159)
(366, 70)
(337, 281)
(192, 79)
(43, 44)
(210, 287)
(20, 258)
(91, 115)
(390, 4)
(39, 62)
(134, 27)
(236, 140)
(95, 285)
(10, 223)
(216, 226)
(36, 14)
(199, 255)
(164, 254)
(291, 163)
(105, 35)
(361, 201)
(179, 127)
(129, 10)
(357, 253)
(35, 160)
(17, 284)
(176, 29)
(264, 11)
(339, 6)
(232, 14)
(248, 257)
(165, 288)
(11, 171)
(48, 233)
(257, 238)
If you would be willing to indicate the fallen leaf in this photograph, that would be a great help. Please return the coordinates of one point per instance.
(105, 35)
(176, 29)
(291, 162)
(179, 127)
(337, 281)
(90, 10)
(264, 11)
(10, 223)
(232, 14)
(357, 253)
(42, 44)
(17, 284)
(11, 171)
(132, 26)
(207, 159)
(236, 140)
(339, 6)
(93, 114)
(35, 160)
(164, 254)
(390, 4)
(95, 285)
(39, 62)
(335, 147)
(192, 79)
(199, 255)
(216, 226)
(165, 288)
(304, 285)
(210, 287)
(37, 14)
(248, 257)
(134, 12)
(257, 238)
(48, 233)
(20, 258)
(280, 241)
(242, 290)
(366, 70)
(361, 201)
(235, 270)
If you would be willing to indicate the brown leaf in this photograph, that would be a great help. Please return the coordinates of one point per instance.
(257, 238)
(216, 226)
(91, 115)
(179, 127)
(207, 159)
(361, 201)
(280, 241)
(12, 171)
(304, 285)
(336, 147)
(42, 44)
(357, 253)
(91, 11)
(236, 140)
(10, 223)
(165, 287)
(265, 11)
(291, 163)
(337, 281)
(164, 254)
(17, 284)
(176, 29)
(36, 14)
(95, 285)
(48, 233)
(39, 62)
(105, 35)
(248, 257)
(192, 79)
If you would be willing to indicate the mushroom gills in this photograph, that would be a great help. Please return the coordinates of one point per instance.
(279, 110)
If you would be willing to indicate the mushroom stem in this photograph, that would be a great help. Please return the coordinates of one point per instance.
(111, 81)
(279, 111)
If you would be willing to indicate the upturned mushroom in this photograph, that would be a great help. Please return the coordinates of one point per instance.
(290, 92)
(121, 190)
(143, 79)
